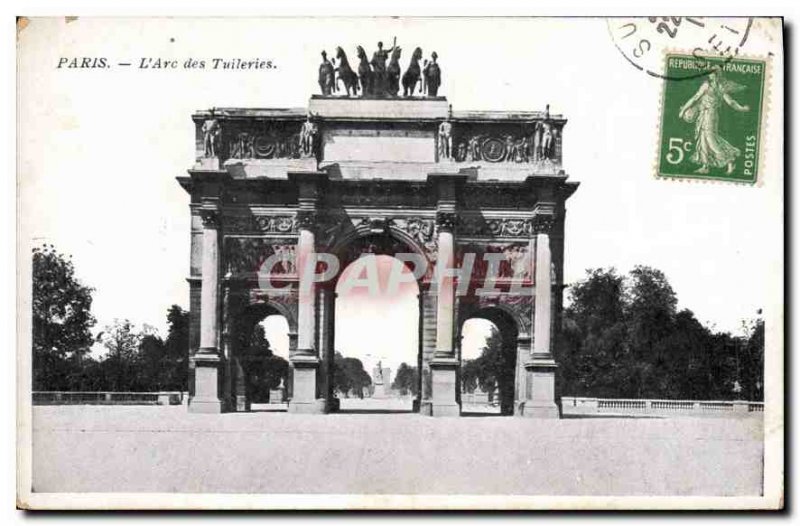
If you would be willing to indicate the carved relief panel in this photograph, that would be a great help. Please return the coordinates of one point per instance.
(535, 142)
(246, 256)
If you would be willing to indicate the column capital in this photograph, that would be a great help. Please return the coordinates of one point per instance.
(209, 213)
(543, 223)
(306, 219)
(308, 183)
(446, 220)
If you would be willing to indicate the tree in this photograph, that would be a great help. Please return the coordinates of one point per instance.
(140, 360)
(406, 380)
(593, 350)
(62, 321)
(622, 337)
(751, 360)
(493, 369)
(122, 342)
(650, 312)
(349, 375)
(176, 348)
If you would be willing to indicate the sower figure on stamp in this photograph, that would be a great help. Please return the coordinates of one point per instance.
(325, 79)
(703, 108)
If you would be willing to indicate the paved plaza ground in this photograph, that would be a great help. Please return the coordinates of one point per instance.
(370, 450)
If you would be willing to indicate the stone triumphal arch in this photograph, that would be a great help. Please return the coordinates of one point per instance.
(378, 174)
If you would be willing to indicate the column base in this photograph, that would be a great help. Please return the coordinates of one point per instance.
(304, 396)
(425, 408)
(446, 409)
(540, 389)
(531, 409)
(313, 407)
(206, 385)
(207, 406)
(443, 385)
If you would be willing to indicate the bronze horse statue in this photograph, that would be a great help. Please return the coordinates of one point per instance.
(393, 73)
(346, 73)
(412, 74)
(365, 74)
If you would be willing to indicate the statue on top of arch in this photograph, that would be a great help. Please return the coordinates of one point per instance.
(375, 78)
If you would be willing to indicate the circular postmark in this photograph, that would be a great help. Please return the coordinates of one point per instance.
(642, 41)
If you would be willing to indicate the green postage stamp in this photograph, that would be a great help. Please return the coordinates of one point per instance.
(711, 118)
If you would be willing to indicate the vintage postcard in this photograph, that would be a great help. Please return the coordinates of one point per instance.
(400, 263)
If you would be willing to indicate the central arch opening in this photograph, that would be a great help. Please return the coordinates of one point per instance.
(488, 349)
(376, 343)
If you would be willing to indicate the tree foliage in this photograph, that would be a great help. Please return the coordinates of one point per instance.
(406, 380)
(493, 369)
(265, 371)
(62, 321)
(349, 376)
(623, 336)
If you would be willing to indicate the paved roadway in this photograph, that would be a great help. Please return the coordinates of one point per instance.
(166, 449)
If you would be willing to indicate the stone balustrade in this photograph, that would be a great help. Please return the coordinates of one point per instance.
(109, 398)
(572, 405)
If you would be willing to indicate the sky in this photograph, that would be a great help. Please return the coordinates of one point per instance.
(99, 151)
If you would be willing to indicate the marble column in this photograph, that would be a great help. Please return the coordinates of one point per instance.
(444, 365)
(541, 367)
(305, 360)
(326, 301)
(207, 359)
(520, 373)
(427, 337)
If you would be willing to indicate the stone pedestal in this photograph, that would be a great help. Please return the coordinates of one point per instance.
(429, 108)
(541, 382)
(206, 382)
(443, 373)
(304, 387)
(276, 396)
(208, 163)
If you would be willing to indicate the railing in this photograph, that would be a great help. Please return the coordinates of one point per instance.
(109, 398)
(573, 405)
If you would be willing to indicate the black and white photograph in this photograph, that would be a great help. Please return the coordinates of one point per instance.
(391, 263)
